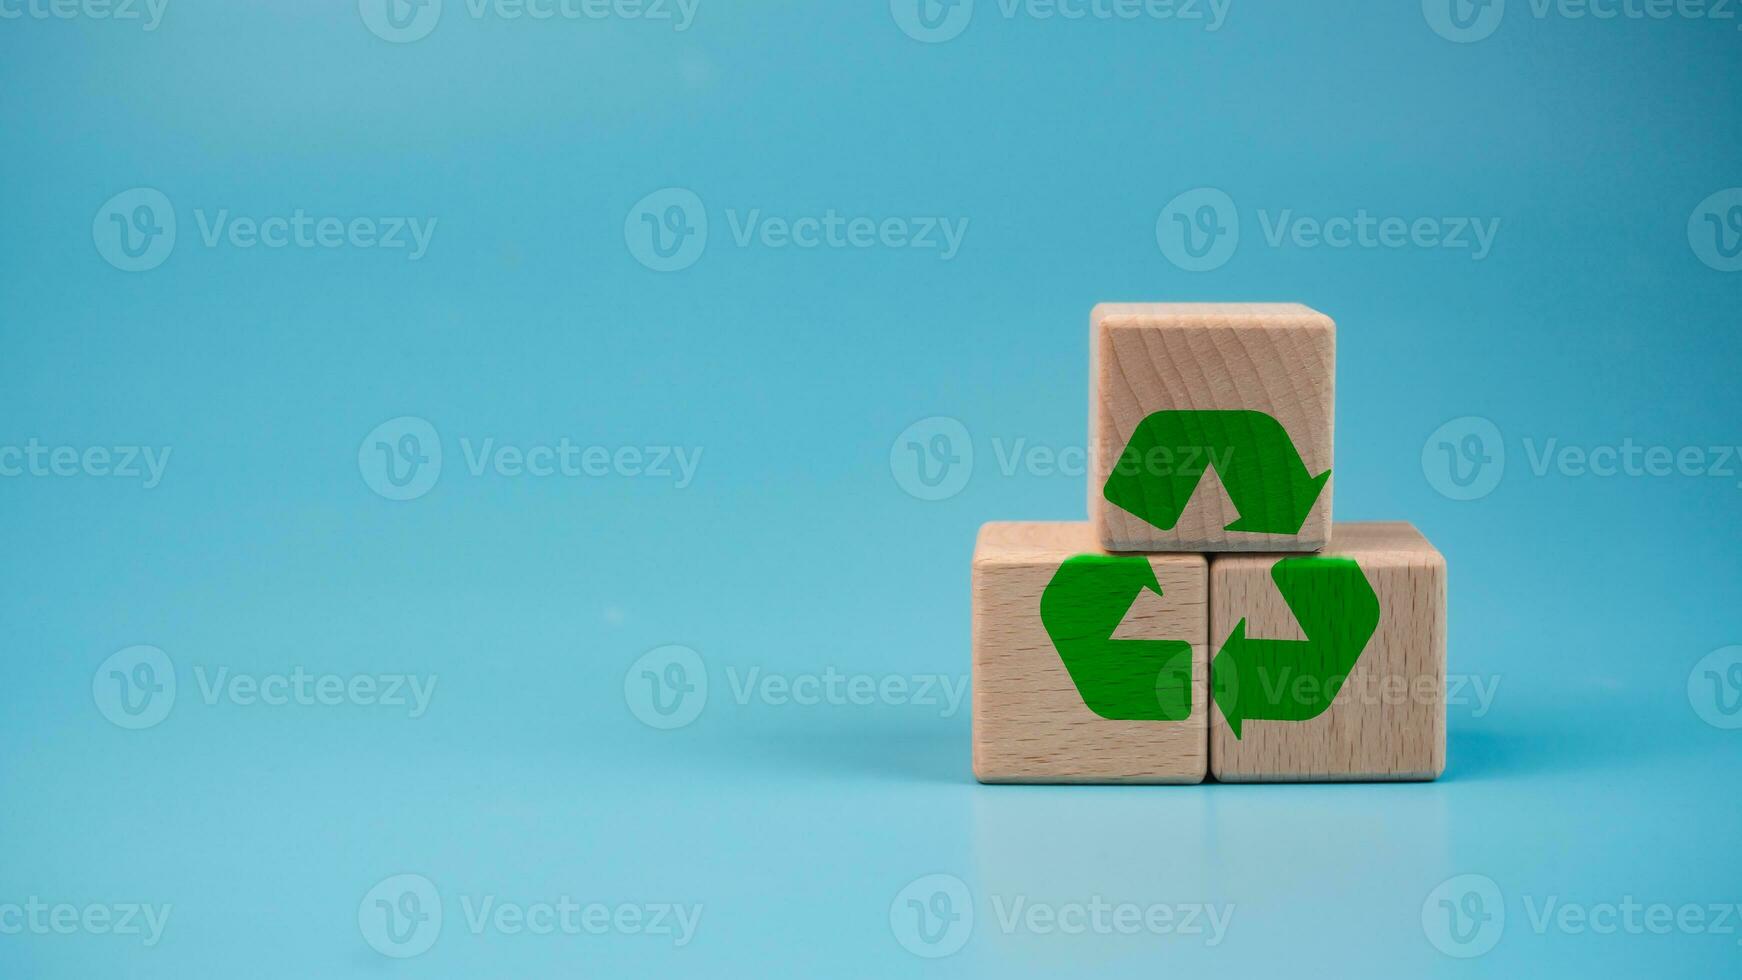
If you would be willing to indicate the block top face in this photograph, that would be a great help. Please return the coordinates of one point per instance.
(1383, 542)
(1032, 542)
(1376, 544)
(1126, 316)
(1211, 427)
(1028, 541)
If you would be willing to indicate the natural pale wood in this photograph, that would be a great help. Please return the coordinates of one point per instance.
(1276, 358)
(1389, 720)
(1030, 723)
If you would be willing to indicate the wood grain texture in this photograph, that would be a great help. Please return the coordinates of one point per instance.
(1276, 358)
(1389, 720)
(1030, 723)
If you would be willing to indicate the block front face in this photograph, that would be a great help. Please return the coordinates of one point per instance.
(1211, 427)
(1330, 666)
(1082, 672)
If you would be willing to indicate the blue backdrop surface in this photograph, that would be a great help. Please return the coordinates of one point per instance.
(461, 514)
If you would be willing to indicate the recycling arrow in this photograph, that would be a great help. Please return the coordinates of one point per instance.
(1296, 680)
(1264, 475)
(1120, 680)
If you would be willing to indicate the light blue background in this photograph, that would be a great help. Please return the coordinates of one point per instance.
(1588, 600)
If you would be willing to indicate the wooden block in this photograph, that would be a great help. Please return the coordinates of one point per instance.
(1330, 666)
(1210, 426)
(1083, 673)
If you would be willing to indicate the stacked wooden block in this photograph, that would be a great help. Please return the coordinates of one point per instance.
(1209, 617)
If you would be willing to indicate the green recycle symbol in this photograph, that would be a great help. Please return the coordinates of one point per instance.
(1250, 678)
(1263, 473)
(1120, 680)
(1263, 679)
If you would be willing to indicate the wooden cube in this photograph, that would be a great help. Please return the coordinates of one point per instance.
(1210, 426)
(1330, 666)
(1088, 667)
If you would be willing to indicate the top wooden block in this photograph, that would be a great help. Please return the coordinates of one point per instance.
(1210, 426)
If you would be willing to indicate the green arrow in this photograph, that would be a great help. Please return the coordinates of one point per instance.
(1296, 680)
(1263, 473)
(1121, 680)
